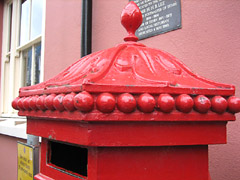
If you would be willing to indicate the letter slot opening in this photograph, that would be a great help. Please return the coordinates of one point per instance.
(68, 158)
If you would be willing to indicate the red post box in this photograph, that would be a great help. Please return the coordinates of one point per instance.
(128, 112)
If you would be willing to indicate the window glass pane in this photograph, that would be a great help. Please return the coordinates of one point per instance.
(9, 26)
(28, 64)
(36, 20)
(25, 23)
(37, 63)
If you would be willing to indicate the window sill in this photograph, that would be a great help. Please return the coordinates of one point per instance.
(29, 43)
(15, 127)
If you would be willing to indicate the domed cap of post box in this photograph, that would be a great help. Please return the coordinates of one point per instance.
(129, 82)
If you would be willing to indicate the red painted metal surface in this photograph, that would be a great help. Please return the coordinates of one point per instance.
(166, 103)
(202, 104)
(139, 111)
(130, 133)
(126, 103)
(184, 103)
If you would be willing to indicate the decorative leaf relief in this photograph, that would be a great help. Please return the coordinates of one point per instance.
(168, 65)
(152, 69)
(148, 61)
(106, 62)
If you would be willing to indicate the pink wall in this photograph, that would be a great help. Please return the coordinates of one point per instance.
(208, 43)
(62, 36)
(8, 157)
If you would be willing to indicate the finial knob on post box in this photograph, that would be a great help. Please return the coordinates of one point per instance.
(131, 19)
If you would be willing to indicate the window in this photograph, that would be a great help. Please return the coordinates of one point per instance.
(31, 15)
(22, 49)
(31, 29)
(32, 65)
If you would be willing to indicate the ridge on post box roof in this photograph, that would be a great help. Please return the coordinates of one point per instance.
(128, 80)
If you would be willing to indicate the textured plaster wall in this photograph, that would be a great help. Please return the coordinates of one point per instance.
(62, 35)
(208, 43)
(8, 157)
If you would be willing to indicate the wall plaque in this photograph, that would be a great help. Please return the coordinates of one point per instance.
(159, 16)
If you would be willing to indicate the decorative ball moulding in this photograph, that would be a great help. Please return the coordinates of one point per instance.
(127, 103)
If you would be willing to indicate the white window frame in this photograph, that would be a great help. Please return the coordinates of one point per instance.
(10, 122)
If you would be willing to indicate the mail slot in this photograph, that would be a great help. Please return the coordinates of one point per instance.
(67, 157)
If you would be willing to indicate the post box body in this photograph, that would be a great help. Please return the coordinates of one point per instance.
(128, 112)
(129, 150)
